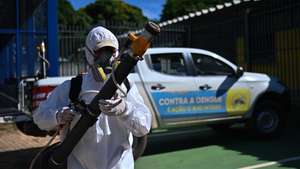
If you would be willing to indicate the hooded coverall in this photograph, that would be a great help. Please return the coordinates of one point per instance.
(107, 144)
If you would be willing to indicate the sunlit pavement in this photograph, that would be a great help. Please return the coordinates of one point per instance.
(17, 149)
(235, 149)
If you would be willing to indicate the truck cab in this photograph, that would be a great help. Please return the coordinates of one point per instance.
(186, 86)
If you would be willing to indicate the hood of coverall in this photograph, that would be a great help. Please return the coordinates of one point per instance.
(97, 38)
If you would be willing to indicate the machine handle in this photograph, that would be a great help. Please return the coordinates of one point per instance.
(158, 87)
(205, 87)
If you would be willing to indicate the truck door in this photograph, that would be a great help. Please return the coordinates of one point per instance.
(169, 85)
(220, 94)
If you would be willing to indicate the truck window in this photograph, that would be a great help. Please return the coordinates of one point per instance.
(169, 63)
(206, 65)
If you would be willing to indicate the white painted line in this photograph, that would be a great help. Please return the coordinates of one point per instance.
(260, 165)
(272, 163)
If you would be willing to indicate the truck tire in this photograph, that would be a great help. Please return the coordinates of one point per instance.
(139, 146)
(31, 129)
(268, 120)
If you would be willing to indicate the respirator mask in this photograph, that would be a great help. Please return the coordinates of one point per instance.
(104, 60)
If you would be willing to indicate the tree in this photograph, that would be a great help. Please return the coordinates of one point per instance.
(175, 8)
(113, 10)
(108, 10)
(68, 16)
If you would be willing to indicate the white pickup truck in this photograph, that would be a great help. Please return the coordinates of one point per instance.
(184, 87)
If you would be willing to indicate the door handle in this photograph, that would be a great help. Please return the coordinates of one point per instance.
(205, 87)
(158, 87)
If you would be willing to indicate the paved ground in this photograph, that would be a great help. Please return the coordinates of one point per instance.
(203, 149)
(17, 149)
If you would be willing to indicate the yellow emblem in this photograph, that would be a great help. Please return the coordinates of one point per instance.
(237, 101)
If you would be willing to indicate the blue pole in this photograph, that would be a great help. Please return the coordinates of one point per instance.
(52, 38)
(8, 63)
(31, 50)
(10, 53)
(3, 67)
(18, 57)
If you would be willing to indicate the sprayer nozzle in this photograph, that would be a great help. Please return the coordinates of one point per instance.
(152, 28)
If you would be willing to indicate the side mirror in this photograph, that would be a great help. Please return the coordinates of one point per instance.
(239, 72)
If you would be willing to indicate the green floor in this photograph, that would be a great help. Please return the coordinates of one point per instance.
(214, 151)
(210, 157)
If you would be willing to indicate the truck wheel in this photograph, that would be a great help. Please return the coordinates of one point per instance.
(268, 119)
(138, 146)
(31, 129)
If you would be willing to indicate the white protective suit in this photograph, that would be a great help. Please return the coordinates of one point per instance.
(107, 144)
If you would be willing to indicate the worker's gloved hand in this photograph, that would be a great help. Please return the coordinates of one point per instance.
(65, 116)
(113, 107)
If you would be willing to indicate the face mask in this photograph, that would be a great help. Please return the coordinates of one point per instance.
(102, 64)
(104, 59)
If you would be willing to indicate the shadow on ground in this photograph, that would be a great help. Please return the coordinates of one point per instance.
(237, 139)
(19, 159)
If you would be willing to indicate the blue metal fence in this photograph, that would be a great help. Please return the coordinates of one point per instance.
(34, 22)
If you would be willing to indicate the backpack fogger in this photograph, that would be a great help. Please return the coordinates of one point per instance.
(55, 156)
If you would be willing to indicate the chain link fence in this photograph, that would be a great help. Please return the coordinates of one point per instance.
(72, 42)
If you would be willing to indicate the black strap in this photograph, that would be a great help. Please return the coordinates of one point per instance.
(76, 88)
(127, 84)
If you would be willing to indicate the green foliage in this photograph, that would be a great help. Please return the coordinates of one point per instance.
(114, 10)
(108, 10)
(68, 16)
(175, 8)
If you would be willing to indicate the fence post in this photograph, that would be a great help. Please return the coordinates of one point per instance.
(189, 34)
(247, 40)
(52, 38)
(18, 44)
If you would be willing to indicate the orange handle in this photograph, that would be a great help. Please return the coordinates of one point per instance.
(139, 44)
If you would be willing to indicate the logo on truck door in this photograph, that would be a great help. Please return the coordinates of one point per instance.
(188, 104)
(206, 103)
(237, 101)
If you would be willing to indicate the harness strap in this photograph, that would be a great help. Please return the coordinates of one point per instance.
(75, 88)
(127, 84)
